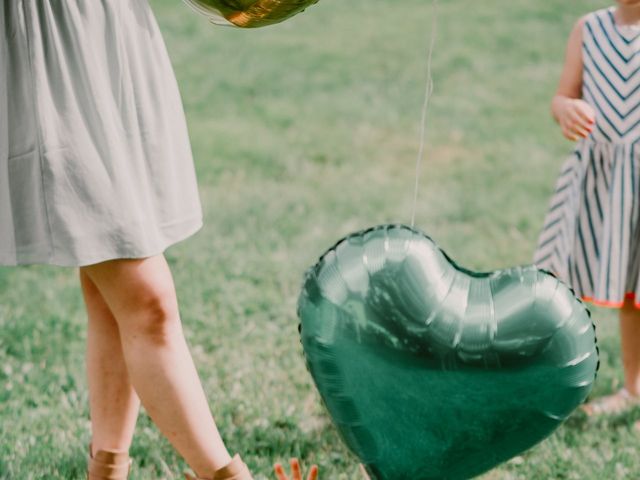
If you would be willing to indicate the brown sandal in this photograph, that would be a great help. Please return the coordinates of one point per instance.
(236, 469)
(108, 465)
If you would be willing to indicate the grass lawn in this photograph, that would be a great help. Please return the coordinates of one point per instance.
(302, 133)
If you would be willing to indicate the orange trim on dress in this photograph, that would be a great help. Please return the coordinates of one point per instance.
(609, 304)
(605, 303)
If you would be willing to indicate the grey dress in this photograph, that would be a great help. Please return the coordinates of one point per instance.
(95, 160)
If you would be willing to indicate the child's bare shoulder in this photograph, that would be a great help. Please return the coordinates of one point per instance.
(579, 24)
(578, 27)
(593, 16)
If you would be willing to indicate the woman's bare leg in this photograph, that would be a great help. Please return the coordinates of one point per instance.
(113, 402)
(142, 297)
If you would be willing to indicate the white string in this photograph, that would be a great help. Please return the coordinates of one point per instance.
(425, 107)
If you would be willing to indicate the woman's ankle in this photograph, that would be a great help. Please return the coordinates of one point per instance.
(95, 447)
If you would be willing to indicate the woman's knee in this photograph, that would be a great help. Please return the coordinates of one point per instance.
(154, 317)
(140, 293)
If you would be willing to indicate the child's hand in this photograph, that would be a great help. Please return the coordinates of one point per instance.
(313, 473)
(576, 117)
(295, 471)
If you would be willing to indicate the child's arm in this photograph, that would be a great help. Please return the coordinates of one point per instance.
(575, 116)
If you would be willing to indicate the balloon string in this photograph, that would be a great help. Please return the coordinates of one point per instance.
(425, 108)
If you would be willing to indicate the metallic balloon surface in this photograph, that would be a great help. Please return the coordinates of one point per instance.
(433, 371)
(249, 13)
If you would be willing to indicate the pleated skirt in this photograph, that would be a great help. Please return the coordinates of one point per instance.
(590, 238)
(95, 159)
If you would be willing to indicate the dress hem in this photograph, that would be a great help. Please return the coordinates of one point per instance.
(612, 304)
(193, 225)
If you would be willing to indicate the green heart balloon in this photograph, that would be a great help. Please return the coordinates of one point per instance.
(430, 370)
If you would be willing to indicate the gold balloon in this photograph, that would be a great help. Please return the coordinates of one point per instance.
(249, 13)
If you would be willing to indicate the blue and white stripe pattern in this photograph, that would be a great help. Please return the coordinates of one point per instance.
(590, 237)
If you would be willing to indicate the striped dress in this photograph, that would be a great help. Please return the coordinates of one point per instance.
(590, 237)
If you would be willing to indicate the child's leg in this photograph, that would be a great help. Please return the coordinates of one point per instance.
(630, 342)
(141, 295)
(629, 396)
(113, 402)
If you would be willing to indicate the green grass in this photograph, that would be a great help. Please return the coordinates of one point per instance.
(302, 133)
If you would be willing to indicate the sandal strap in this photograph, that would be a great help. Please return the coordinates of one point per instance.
(236, 469)
(109, 464)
